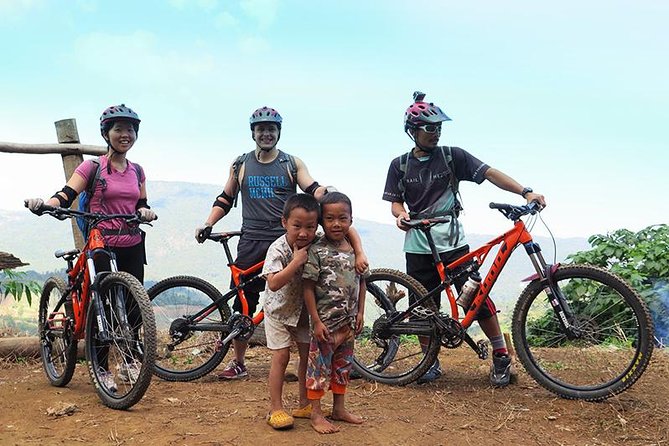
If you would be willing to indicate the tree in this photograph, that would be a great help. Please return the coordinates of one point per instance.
(17, 284)
(641, 258)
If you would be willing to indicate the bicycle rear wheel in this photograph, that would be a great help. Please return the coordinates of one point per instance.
(121, 364)
(614, 341)
(184, 351)
(400, 353)
(58, 347)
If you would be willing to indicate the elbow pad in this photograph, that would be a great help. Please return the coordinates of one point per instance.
(142, 203)
(311, 189)
(70, 193)
(225, 206)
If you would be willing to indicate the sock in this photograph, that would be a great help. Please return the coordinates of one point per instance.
(498, 345)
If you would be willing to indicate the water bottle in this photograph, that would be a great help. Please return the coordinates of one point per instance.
(469, 290)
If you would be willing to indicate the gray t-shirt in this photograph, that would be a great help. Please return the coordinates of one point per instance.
(265, 189)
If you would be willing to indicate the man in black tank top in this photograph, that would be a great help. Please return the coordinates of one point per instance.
(266, 177)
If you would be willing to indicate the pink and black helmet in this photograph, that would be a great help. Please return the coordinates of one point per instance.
(115, 113)
(421, 113)
(265, 114)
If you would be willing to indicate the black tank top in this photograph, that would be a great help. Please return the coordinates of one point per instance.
(265, 189)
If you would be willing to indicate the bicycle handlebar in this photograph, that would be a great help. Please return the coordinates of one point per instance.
(92, 217)
(426, 222)
(222, 236)
(510, 211)
(513, 212)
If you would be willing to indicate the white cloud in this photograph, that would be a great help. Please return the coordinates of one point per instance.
(226, 20)
(264, 11)
(88, 5)
(11, 8)
(207, 5)
(254, 45)
(138, 57)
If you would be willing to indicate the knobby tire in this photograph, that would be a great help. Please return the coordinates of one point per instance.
(132, 347)
(615, 342)
(394, 358)
(58, 348)
(199, 352)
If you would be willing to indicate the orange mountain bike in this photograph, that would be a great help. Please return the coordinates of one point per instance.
(579, 331)
(110, 310)
(194, 322)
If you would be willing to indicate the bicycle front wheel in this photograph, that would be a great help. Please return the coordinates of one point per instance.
(186, 350)
(611, 344)
(58, 347)
(399, 353)
(121, 352)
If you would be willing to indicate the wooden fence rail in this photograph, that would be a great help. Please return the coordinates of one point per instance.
(62, 149)
(70, 150)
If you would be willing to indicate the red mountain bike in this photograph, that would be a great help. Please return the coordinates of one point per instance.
(579, 331)
(110, 310)
(193, 319)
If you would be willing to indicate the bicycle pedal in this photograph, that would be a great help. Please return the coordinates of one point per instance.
(56, 321)
(482, 349)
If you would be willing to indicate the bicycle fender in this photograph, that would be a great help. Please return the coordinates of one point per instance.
(551, 271)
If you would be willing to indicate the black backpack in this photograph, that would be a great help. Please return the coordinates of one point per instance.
(87, 194)
(448, 158)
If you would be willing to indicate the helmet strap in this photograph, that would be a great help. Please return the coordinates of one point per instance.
(262, 149)
(418, 145)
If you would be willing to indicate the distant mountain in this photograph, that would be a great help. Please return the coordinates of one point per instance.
(172, 249)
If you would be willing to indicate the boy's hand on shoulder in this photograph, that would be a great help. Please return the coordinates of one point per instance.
(361, 263)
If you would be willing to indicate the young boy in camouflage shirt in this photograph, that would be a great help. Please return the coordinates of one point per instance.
(334, 294)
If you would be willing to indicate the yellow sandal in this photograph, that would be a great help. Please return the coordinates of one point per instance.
(305, 412)
(279, 419)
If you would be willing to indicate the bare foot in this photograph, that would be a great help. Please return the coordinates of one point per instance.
(346, 417)
(321, 425)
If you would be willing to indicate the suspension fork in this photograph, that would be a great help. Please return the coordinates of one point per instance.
(546, 274)
(118, 304)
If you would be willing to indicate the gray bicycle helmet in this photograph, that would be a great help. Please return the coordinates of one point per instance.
(265, 114)
(116, 112)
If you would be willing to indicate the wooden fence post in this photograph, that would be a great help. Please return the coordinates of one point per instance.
(66, 130)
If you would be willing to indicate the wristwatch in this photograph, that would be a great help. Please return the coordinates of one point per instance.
(525, 191)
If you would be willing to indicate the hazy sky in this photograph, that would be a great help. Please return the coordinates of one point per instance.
(570, 98)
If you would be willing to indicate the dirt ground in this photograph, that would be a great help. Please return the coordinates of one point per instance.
(459, 409)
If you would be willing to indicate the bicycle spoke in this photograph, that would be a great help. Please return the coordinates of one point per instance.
(184, 351)
(399, 358)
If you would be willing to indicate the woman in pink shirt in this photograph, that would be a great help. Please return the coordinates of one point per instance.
(120, 189)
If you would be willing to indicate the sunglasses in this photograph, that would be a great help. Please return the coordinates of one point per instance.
(431, 128)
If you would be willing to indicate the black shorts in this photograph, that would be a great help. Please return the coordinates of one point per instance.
(130, 259)
(250, 252)
(422, 268)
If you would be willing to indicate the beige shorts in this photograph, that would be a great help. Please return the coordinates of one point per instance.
(280, 335)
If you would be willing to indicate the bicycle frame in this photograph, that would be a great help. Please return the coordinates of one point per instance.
(238, 274)
(508, 242)
(83, 274)
(82, 286)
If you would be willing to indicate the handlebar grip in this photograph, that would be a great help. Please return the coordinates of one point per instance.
(204, 234)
